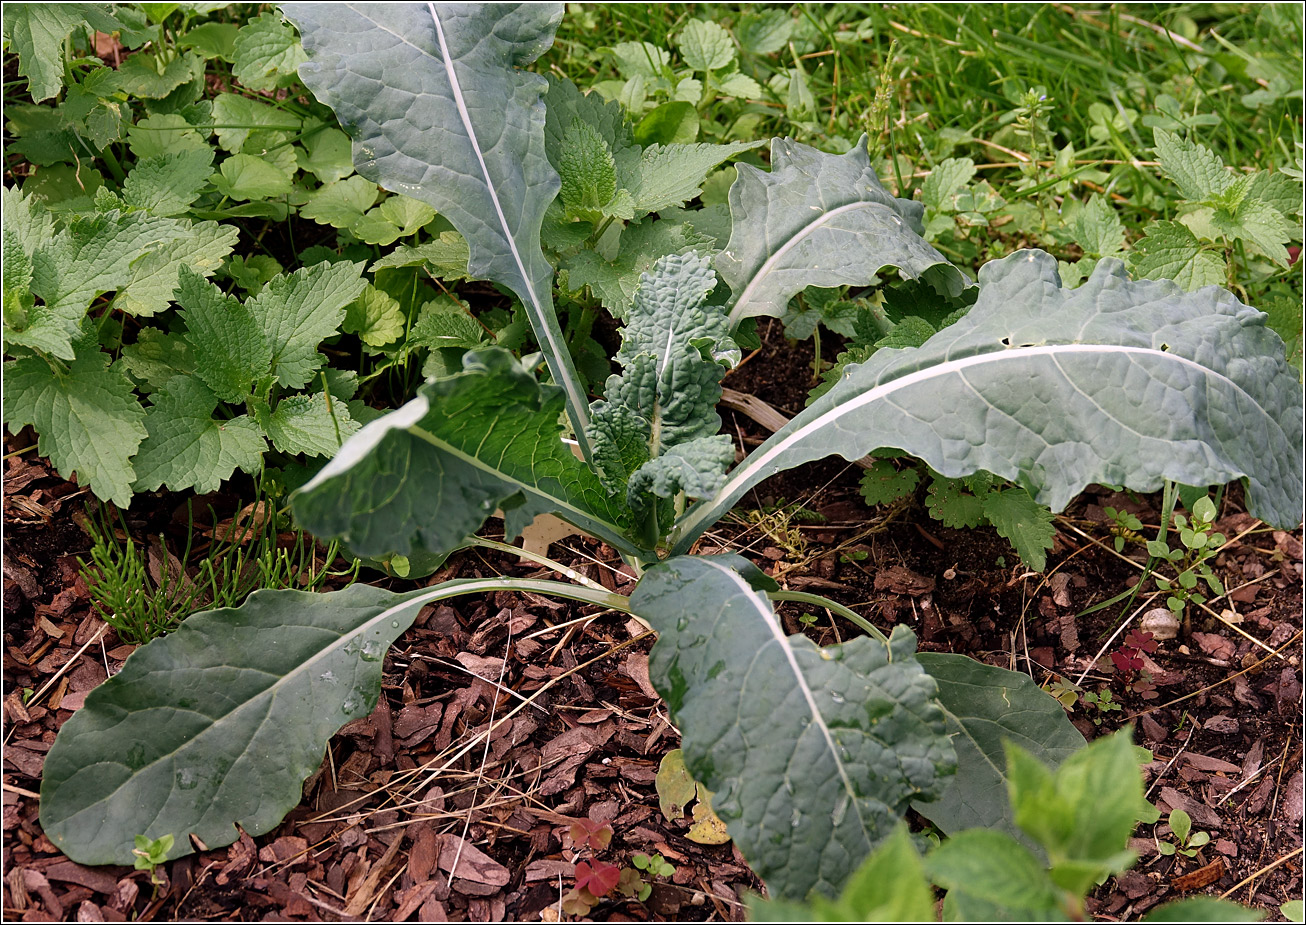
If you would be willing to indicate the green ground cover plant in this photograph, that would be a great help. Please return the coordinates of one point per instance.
(1048, 386)
(1079, 815)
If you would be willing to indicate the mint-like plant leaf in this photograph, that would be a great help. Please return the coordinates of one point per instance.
(229, 347)
(1195, 169)
(297, 311)
(820, 220)
(642, 243)
(1170, 251)
(265, 51)
(166, 184)
(375, 316)
(187, 447)
(791, 739)
(86, 415)
(671, 175)
(36, 31)
(309, 424)
(587, 170)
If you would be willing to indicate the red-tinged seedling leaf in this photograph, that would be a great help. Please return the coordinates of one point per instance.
(1126, 660)
(631, 883)
(599, 879)
(591, 834)
(1141, 639)
(579, 902)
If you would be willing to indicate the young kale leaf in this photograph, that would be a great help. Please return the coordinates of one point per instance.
(657, 430)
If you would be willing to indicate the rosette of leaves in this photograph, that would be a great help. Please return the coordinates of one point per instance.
(812, 753)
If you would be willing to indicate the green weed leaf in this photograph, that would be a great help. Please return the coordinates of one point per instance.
(1025, 523)
(187, 447)
(86, 415)
(265, 51)
(37, 31)
(1170, 251)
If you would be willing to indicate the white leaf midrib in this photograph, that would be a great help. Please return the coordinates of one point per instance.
(757, 462)
(578, 403)
(765, 614)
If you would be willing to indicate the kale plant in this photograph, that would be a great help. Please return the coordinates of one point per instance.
(812, 754)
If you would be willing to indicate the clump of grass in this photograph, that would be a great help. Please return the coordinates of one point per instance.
(141, 603)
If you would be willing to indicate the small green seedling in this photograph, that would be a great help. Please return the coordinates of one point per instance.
(1065, 691)
(1186, 841)
(1124, 527)
(655, 865)
(1102, 700)
(151, 853)
(1200, 544)
(807, 619)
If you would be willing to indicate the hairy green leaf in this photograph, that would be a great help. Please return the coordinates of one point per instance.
(883, 483)
(200, 247)
(187, 447)
(37, 31)
(671, 175)
(1196, 170)
(1083, 813)
(229, 347)
(236, 116)
(86, 416)
(944, 180)
(309, 424)
(1170, 251)
(297, 310)
(812, 754)
(705, 46)
(265, 51)
(166, 184)
(375, 316)
(642, 243)
(587, 170)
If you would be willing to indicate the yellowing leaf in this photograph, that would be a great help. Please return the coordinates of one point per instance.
(675, 787)
(707, 828)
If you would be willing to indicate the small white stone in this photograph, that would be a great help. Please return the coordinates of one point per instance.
(1160, 622)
